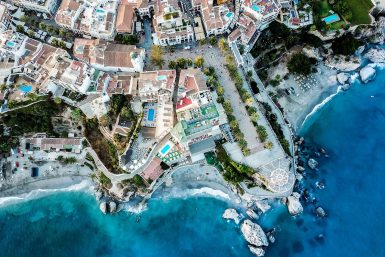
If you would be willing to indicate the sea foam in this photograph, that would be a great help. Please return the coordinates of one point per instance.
(84, 185)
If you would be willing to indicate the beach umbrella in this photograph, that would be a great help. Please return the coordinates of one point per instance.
(131, 167)
(135, 161)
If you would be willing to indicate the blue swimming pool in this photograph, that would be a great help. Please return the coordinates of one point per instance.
(229, 14)
(161, 77)
(332, 18)
(151, 115)
(292, 13)
(255, 8)
(99, 10)
(165, 149)
(25, 88)
(10, 43)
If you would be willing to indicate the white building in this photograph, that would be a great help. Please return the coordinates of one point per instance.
(171, 26)
(106, 56)
(5, 18)
(93, 18)
(44, 6)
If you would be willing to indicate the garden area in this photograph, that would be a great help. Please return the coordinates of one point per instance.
(36, 118)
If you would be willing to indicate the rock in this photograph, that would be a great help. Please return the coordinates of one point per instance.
(300, 168)
(298, 176)
(263, 205)
(312, 163)
(360, 50)
(341, 63)
(294, 205)
(343, 78)
(376, 55)
(99, 194)
(252, 214)
(271, 238)
(367, 73)
(257, 250)
(112, 207)
(320, 212)
(103, 207)
(254, 234)
(312, 52)
(231, 214)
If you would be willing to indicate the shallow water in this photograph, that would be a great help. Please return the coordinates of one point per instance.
(70, 224)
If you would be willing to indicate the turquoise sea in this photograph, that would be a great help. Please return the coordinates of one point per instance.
(350, 127)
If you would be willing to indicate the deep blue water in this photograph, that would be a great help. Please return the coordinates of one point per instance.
(351, 127)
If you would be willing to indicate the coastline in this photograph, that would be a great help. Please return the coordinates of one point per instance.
(46, 186)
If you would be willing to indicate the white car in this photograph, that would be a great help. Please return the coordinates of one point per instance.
(186, 48)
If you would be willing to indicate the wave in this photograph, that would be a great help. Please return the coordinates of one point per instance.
(320, 105)
(84, 185)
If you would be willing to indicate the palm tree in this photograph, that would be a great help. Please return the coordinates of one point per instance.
(199, 61)
(222, 44)
(157, 56)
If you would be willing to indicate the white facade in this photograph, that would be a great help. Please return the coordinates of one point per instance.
(44, 6)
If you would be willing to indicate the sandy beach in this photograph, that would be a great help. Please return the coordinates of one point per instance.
(48, 184)
(301, 102)
(197, 179)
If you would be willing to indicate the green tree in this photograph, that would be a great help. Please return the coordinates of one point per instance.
(345, 45)
(181, 63)
(157, 56)
(199, 61)
(104, 120)
(172, 65)
(212, 40)
(299, 63)
(222, 45)
(57, 100)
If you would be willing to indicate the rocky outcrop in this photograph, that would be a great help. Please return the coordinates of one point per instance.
(313, 164)
(376, 34)
(252, 214)
(320, 212)
(231, 214)
(263, 205)
(294, 205)
(108, 207)
(103, 207)
(367, 74)
(254, 234)
(376, 55)
(343, 78)
(340, 62)
(257, 250)
(312, 52)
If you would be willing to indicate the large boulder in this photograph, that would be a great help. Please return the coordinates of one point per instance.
(367, 73)
(376, 55)
(254, 234)
(231, 214)
(343, 78)
(112, 206)
(294, 205)
(313, 164)
(103, 207)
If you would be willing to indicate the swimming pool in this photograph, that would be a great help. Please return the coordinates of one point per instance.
(151, 115)
(292, 13)
(161, 77)
(10, 43)
(332, 18)
(165, 149)
(255, 8)
(99, 10)
(229, 14)
(25, 88)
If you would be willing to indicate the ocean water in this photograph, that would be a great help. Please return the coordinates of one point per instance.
(351, 127)
(70, 224)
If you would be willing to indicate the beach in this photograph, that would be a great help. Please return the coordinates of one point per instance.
(301, 103)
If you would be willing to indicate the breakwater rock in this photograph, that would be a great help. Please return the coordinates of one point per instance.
(367, 73)
(255, 236)
(376, 55)
(231, 214)
(294, 205)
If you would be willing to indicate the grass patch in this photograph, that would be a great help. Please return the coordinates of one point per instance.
(360, 11)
